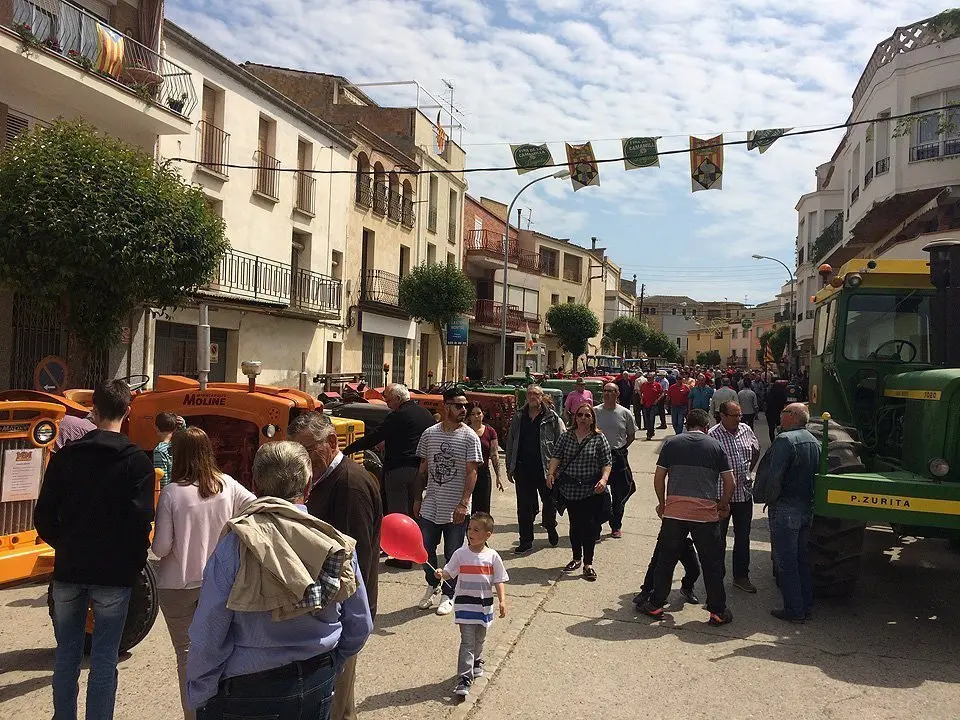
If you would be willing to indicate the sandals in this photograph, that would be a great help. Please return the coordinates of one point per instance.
(589, 574)
(572, 565)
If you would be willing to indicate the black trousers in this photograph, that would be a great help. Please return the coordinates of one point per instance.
(688, 558)
(621, 488)
(750, 419)
(706, 538)
(662, 412)
(532, 490)
(772, 422)
(584, 527)
(742, 515)
(480, 500)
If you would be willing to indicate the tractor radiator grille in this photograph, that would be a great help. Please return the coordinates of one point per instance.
(17, 516)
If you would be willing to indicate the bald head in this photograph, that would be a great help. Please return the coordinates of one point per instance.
(610, 394)
(794, 416)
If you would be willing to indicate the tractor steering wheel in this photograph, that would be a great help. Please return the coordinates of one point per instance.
(900, 344)
(136, 382)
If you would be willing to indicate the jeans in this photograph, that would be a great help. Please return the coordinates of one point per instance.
(706, 538)
(480, 500)
(688, 558)
(531, 491)
(650, 419)
(662, 412)
(742, 515)
(584, 527)
(789, 535)
(678, 416)
(70, 603)
(296, 691)
(453, 535)
(621, 488)
(472, 638)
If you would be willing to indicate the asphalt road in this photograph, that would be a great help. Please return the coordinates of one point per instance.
(569, 648)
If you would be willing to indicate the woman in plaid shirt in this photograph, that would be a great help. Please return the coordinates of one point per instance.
(580, 466)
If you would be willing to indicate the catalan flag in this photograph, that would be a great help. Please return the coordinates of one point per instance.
(109, 51)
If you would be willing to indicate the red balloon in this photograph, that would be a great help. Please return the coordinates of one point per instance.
(400, 538)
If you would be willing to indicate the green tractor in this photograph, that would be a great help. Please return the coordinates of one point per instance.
(885, 379)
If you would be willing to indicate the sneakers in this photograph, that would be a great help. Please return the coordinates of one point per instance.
(446, 606)
(429, 594)
(720, 619)
(689, 596)
(642, 597)
(525, 547)
(745, 585)
(463, 686)
(552, 536)
(651, 610)
(478, 668)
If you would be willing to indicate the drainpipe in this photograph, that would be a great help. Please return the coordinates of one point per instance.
(203, 346)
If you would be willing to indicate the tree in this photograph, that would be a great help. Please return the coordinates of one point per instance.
(437, 294)
(709, 357)
(776, 340)
(574, 324)
(629, 333)
(97, 227)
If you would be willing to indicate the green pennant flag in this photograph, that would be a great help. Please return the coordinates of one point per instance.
(763, 139)
(640, 152)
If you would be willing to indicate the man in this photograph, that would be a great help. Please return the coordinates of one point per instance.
(638, 384)
(534, 430)
(95, 509)
(661, 404)
(616, 424)
(724, 394)
(785, 483)
(689, 506)
(701, 394)
(71, 428)
(743, 453)
(678, 397)
(625, 390)
(749, 403)
(449, 455)
(776, 402)
(576, 397)
(651, 392)
(400, 434)
(344, 495)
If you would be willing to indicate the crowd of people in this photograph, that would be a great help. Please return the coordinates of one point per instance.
(269, 596)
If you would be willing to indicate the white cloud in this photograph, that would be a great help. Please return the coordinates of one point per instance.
(555, 70)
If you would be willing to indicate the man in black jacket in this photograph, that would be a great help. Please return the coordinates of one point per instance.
(95, 509)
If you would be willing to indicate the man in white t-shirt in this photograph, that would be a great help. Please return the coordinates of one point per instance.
(449, 455)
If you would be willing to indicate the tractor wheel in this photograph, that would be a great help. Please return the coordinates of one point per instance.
(835, 549)
(141, 614)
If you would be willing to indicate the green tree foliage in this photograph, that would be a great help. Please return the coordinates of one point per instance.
(710, 357)
(96, 227)
(777, 339)
(574, 324)
(629, 334)
(437, 294)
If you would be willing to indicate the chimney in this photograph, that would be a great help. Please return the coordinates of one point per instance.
(593, 243)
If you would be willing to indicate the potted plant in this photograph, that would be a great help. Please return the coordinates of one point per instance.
(80, 59)
(177, 103)
(27, 38)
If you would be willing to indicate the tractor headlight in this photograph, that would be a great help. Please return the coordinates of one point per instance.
(270, 430)
(44, 432)
(939, 467)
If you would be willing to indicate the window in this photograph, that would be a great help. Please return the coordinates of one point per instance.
(882, 143)
(306, 182)
(550, 262)
(937, 134)
(683, 312)
(555, 299)
(267, 175)
(674, 311)
(431, 254)
(213, 141)
(572, 266)
(877, 326)
(733, 334)
(571, 299)
(653, 311)
(821, 322)
(452, 217)
(854, 176)
(336, 265)
(399, 366)
(404, 261)
(432, 204)
(16, 125)
(451, 259)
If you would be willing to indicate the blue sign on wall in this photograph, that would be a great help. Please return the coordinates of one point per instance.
(458, 330)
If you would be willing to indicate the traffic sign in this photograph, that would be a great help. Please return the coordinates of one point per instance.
(50, 375)
(746, 323)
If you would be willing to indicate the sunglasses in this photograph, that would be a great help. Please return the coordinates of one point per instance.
(733, 414)
(458, 406)
(586, 415)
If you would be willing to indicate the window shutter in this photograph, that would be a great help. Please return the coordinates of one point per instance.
(16, 125)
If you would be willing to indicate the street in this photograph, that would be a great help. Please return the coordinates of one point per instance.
(569, 648)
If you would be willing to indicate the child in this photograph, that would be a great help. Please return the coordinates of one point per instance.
(166, 423)
(482, 571)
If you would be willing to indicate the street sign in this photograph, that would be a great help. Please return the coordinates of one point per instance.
(746, 323)
(50, 375)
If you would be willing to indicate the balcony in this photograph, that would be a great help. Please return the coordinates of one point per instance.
(380, 198)
(408, 217)
(868, 178)
(269, 282)
(882, 166)
(306, 187)
(364, 196)
(267, 176)
(855, 195)
(934, 150)
(394, 212)
(488, 313)
(379, 286)
(486, 248)
(214, 149)
(828, 239)
(48, 47)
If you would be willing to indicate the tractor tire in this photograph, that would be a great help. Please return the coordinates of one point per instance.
(141, 613)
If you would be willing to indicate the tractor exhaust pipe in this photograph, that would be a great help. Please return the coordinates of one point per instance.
(945, 277)
(203, 346)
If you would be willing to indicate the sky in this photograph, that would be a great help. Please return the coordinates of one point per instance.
(560, 71)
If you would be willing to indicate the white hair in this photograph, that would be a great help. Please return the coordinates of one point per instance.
(398, 390)
(282, 469)
(315, 424)
(800, 411)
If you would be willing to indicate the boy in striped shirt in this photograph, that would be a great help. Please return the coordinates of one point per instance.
(480, 572)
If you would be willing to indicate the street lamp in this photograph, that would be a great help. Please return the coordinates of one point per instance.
(560, 174)
(793, 303)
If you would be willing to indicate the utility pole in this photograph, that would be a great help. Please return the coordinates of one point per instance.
(643, 289)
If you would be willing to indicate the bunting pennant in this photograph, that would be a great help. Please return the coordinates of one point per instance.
(584, 170)
(763, 139)
(706, 163)
(440, 137)
(640, 152)
(529, 157)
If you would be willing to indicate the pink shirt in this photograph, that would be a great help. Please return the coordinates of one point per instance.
(576, 398)
(188, 528)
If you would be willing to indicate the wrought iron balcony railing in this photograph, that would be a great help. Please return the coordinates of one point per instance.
(883, 165)
(364, 196)
(380, 198)
(379, 286)
(394, 208)
(267, 175)
(306, 191)
(408, 215)
(214, 148)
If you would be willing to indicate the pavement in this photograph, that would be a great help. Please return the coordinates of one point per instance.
(569, 648)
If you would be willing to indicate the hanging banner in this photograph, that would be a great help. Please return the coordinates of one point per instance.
(584, 170)
(706, 163)
(763, 139)
(440, 137)
(458, 330)
(529, 157)
(640, 152)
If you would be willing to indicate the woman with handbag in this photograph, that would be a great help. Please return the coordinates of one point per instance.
(490, 449)
(579, 469)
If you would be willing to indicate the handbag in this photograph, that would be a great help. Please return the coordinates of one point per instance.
(559, 501)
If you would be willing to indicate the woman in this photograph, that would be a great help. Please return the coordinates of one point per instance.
(192, 510)
(490, 448)
(282, 606)
(580, 467)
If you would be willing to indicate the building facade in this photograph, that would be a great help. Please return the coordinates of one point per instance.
(677, 316)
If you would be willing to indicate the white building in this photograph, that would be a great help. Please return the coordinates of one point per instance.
(278, 291)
